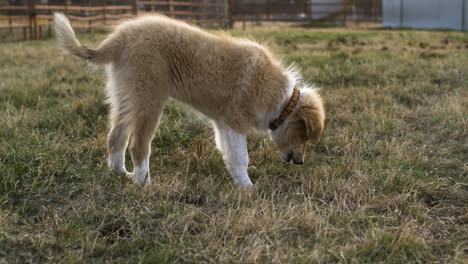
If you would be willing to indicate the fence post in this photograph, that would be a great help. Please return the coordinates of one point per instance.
(307, 11)
(218, 13)
(65, 7)
(202, 12)
(195, 15)
(229, 13)
(268, 10)
(33, 13)
(343, 13)
(171, 8)
(32, 20)
(134, 7)
(103, 12)
(49, 28)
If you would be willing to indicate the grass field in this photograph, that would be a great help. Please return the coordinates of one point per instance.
(387, 184)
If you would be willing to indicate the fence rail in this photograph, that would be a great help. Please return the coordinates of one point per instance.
(31, 20)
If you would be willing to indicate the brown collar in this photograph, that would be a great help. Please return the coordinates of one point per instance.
(282, 117)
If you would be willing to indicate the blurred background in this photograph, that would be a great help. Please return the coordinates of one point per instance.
(31, 19)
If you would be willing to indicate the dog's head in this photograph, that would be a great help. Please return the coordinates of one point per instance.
(305, 123)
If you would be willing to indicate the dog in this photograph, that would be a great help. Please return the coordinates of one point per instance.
(237, 83)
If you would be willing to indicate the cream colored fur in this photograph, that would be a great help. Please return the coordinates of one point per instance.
(236, 83)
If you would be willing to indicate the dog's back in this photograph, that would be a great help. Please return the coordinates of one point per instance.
(223, 77)
(146, 34)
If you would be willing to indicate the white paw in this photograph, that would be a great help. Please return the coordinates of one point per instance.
(115, 165)
(148, 181)
(130, 176)
(246, 183)
(139, 178)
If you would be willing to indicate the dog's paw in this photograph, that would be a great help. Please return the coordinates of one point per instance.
(148, 181)
(116, 166)
(246, 183)
(139, 179)
(129, 176)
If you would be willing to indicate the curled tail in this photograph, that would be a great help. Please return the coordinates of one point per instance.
(69, 43)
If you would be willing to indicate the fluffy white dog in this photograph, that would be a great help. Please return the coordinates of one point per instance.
(236, 83)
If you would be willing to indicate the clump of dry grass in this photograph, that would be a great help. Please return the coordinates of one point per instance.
(387, 183)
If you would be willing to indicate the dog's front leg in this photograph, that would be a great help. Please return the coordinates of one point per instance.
(234, 148)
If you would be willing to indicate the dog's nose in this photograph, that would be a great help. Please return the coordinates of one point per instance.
(288, 158)
(300, 162)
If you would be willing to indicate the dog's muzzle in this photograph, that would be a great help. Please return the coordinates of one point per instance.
(290, 157)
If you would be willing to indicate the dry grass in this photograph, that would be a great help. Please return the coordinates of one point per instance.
(387, 184)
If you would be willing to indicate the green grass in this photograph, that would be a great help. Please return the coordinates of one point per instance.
(387, 184)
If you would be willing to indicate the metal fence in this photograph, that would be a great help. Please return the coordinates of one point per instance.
(334, 11)
(31, 19)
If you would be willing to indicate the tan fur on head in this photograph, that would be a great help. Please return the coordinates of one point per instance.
(305, 123)
(311, 111)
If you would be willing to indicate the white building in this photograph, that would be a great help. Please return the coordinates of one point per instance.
(426, 14)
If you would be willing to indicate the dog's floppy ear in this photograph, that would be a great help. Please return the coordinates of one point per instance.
(314, 124)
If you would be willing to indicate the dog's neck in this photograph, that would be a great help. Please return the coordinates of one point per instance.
(283, 102)
(293, 79)
(287, 110)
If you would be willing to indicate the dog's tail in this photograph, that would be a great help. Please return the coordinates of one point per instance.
(105, 53)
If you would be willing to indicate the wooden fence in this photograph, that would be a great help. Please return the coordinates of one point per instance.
(334, 11)
(33, 20)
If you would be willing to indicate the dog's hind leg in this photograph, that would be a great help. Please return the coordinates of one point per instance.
(117, 142)
(234, 148)
(117, 139)
(144, 126)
